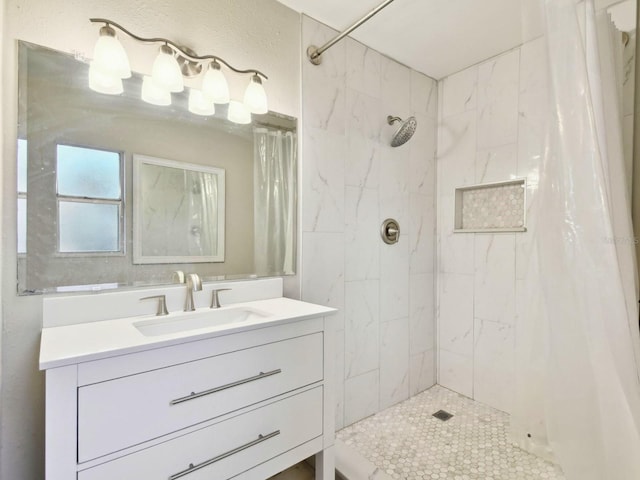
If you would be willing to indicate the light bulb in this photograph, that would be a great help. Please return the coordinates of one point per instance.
(166, 72)
(152, 93)
(104, 82)
(238, 113)
(199, 104)
(214, 85)
(109, 54)
(255, 97)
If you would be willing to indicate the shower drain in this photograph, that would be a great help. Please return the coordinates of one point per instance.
(442, 415)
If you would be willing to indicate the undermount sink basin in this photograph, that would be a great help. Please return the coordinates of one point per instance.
(195, 320)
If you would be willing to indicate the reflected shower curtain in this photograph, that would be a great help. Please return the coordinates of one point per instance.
(577, 345)
(275, 155)
(203, 212)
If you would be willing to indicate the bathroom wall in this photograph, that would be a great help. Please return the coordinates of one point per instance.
(259, 33)
(492, 126)
(351, 181)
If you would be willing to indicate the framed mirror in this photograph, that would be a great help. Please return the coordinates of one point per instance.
(77, 189)
(184, 199)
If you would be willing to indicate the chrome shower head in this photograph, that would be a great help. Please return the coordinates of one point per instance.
(405, 132)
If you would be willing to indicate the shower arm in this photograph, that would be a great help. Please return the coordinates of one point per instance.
(314, 53)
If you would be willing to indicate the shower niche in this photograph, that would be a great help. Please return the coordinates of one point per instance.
(491, 207)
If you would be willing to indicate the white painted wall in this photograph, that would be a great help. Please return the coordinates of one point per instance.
(260, 34)
(351, 181)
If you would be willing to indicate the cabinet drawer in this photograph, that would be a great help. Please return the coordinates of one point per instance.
(127, 411)
(226, 449)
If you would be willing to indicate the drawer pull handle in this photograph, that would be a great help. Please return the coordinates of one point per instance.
(192, 468)
(195, 395)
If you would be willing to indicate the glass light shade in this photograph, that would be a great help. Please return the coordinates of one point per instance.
(255, 98)
(166, 72)
(199, 104)
(104, 82)
(152, 93)
(109, 54)
(238, 113)
(214, 85)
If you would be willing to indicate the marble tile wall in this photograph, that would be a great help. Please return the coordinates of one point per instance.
(351, 181)
(491, 129)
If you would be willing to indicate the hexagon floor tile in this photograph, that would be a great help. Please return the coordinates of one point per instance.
(408, 443)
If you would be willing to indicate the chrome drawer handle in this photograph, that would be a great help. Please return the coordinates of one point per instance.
(192, 468)
(194, 395)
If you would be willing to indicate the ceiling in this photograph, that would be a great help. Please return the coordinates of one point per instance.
(435, 37)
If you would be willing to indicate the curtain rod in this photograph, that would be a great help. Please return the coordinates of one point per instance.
(314, 53)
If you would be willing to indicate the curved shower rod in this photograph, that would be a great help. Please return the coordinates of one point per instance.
(185, 53)
(313, 52)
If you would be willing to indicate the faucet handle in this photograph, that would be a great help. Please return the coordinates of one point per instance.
(178, 277)
(162, 304)
(215, 301)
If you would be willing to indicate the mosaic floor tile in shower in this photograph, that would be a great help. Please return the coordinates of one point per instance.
(408, 443)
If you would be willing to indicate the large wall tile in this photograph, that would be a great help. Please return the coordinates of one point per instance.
(363, 115)
(323, 182)
(421, 234)
(498, 100)
(455, 250)
(333, 65)
(495, 277)
(360, 397)
(363, 68)
(460, 92)
(422, 372)
(395, 87)
(323, 260)
(422, 157)
(455, 313)
(455, 372)
(362, 163)
(533, 109)
(394, 184)
(424, 95)
(497, 164)
(494, 364)
(394, 280)
(456, 152)
(362, 322)
(362, 240)
(394, 362)
(421, 313)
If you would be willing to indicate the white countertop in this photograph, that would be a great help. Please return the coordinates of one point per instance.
(72, 344)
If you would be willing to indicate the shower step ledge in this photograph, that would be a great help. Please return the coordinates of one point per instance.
(351, 465)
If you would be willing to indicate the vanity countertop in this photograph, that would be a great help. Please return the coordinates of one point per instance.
(72, 344)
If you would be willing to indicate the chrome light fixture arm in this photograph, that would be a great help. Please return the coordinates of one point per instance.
(189, 56)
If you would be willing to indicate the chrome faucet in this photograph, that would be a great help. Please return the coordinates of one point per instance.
(194, 284)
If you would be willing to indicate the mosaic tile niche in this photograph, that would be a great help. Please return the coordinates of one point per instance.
(491, 207)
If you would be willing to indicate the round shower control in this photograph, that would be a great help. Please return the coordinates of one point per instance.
(390, 231)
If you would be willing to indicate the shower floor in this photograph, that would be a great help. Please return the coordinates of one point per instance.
(407, 443)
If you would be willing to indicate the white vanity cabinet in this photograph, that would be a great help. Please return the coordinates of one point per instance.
(243, 404)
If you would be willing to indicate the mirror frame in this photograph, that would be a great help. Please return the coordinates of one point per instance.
(138, 211)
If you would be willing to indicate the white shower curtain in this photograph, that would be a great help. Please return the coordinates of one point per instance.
(275, 154)
(578, 345)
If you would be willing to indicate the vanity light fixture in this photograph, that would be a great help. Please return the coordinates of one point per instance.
(171, 67)
(199, 104)
(238, 113)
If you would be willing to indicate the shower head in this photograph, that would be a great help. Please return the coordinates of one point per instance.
(405, 132)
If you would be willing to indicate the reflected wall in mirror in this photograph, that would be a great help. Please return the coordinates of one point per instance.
(76, 186)
(184, 199)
